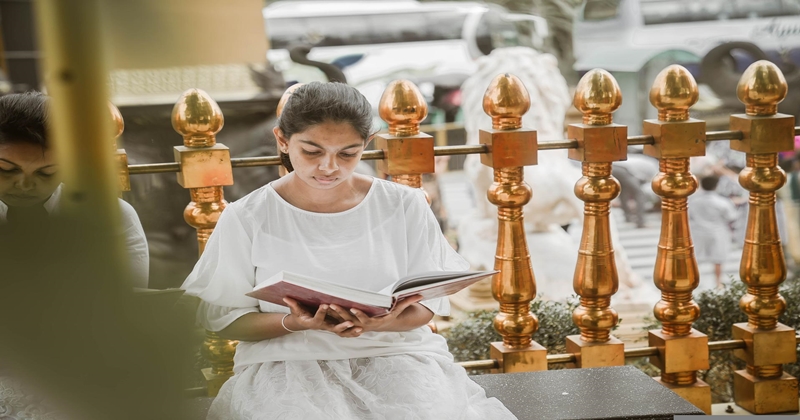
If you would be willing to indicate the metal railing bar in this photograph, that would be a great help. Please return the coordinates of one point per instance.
(249, 162)
(480, 364)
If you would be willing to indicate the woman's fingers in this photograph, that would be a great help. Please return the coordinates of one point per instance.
(405, 303)
(296, 309)
(344, 314)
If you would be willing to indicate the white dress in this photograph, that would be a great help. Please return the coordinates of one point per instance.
(130, 231)
(710, 218)
(317, 374)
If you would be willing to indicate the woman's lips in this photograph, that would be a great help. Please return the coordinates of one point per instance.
(324, 180)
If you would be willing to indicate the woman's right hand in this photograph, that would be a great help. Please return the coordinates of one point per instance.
(301, 319)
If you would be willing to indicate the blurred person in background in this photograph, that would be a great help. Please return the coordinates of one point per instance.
(710, 217)
(30, 185)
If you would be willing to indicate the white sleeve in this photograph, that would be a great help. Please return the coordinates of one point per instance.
(429, 249)
(216, 318)
(225, 271)
(136, 245)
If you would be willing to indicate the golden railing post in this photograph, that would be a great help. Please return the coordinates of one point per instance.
(763, 387)
(600, 142)
(511, 148)
(205, 168)
(120, 157)
(682, 350)
(408, 153)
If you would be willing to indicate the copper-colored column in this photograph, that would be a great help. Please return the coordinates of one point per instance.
(682, 349)
(511, 148)
(408, 153)
(600, 142)
(763, 387)
(205, 168)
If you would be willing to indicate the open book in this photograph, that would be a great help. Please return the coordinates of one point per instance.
(313, 292)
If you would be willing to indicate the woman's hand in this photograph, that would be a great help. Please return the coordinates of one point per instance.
(388, 322)
(302, 319)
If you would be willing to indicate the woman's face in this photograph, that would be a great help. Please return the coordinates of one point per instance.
(28, 174)
(324, 155)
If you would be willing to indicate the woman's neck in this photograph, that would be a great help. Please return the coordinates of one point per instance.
(343, 197)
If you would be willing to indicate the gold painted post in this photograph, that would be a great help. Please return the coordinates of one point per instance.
(600, 142)
(409, 153)
(511, 148)
(205, 168)
(763, 387)
(120, 157)
(682, 350)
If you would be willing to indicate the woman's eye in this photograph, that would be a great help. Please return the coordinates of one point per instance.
(310, 153)
(45, 175)
(348, 155)
(8, 171)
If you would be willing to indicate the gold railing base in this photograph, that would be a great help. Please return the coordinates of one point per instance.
(766, 347)
(531, 358)
(588, 355)
(698, 393)
(765, 396)
(214, 381)
(679, 354)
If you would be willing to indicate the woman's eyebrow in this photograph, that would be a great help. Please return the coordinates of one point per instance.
(6, 160)
(309, 142)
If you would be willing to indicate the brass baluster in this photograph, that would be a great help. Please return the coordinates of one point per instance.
(120, 157)
(763, 387)
(682, 349)
(408, 153)
(600, 142)
(511, 148)
(205, 168)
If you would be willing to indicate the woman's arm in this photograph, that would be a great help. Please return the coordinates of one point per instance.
(257, 326)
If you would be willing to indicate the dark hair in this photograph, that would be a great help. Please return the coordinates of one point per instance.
(23, 119)
(709, 183)
(317, 102)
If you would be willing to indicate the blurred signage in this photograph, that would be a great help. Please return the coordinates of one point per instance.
(157, 33)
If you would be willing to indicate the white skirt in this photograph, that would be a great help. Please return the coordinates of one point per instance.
(405, 386)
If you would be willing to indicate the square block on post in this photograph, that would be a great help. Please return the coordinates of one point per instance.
(214, 381)
(598, 143)
(588, 355)
(412, 155)
(698, 393)
(772, 134)
(519, 360)
(675, 139)
(765, 396)
(679, 354)
(766, 347)
(204, 166)
(510, 148)
(121, 158)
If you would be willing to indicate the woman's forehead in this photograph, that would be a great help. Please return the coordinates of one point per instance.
(330, 133)
(26, 154)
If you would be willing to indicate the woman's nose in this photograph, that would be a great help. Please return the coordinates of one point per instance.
(25, 183)
(328, 164)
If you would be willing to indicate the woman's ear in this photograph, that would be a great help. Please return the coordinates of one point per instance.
(369, 139)
(282, 141)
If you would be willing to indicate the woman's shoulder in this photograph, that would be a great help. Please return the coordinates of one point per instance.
(252, 203)
(395, 193)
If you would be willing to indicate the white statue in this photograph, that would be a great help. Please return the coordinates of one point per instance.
(553, 204)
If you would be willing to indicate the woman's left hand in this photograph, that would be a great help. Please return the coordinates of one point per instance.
(380, 323)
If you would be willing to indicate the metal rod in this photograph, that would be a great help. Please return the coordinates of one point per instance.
(480, 364)
(637, 352)
(155, 168)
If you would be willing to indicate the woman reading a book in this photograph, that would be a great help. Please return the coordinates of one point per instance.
(327, 222)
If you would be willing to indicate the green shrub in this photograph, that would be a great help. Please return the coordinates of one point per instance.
(470, 339)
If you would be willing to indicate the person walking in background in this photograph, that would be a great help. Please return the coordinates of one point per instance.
(710, 217)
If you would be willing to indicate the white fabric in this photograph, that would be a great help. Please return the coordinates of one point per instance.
(710, 216)
(317, 374)
(409, 386)
(131, 231)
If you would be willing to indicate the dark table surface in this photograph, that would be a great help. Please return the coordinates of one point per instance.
(622, 392)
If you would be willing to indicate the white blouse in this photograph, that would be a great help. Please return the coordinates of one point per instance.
(390, 234)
